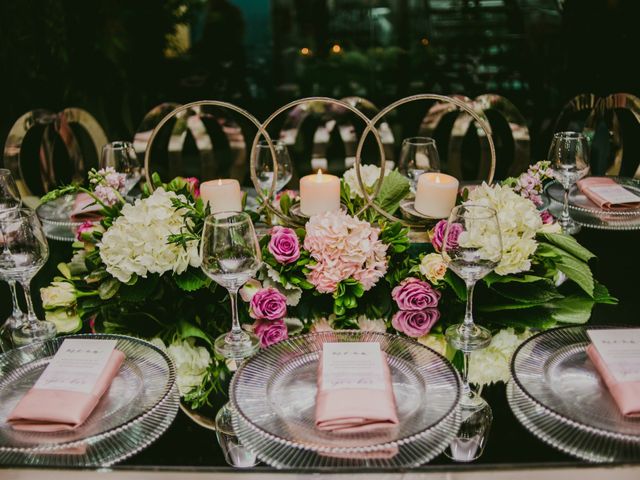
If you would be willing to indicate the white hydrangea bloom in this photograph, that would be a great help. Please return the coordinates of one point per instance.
(491, 365)
(191, 364)
(371, 325)
(137, 243)
(370, 175)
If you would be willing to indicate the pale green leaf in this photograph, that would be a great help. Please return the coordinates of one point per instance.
(569, 244)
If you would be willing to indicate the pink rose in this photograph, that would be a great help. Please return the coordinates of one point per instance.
(415, 294)
(194, 185)
(438, 235)
(415, 323)
(270, 333)
(268, 304)
(546, 217)
(85, 227)
(284, 245)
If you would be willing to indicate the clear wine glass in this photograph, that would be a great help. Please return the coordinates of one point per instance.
(569, 157)
(418, 155)
(230, 257)
(123, 158)
(25, 251)
(264, 165)
(472, 247)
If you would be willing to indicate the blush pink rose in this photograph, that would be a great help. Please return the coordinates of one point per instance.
(270, 332)
(284, 245)
(194, 185)
(415, 323)
(546, 217)
(438, 235)
(415, 294)
(268, 304)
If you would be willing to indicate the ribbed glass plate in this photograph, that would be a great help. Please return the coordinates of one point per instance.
(55, 217)
(559, 396)
(138, 407)
(274, 394)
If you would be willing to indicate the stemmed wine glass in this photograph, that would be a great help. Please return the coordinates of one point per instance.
(418, 155)
(231, 256)
(569, 157)
(25, 251)
(9, 201)
(123, 158)
(472, 247)
(265, 168)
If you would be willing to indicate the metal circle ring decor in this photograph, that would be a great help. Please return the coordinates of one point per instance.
(267, 200)
(369, 199)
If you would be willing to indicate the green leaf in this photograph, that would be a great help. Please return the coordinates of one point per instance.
(141, 290)
(457, 285)
(573, 309)
(569, 244)
(394, 188)
(187, 330)
(191, 280)
(527, 293)
(63, 268)
(574, 268)
(601, 295)
(526, 278)
(96, 275)
(108, 289)
(285, 203)
(495, 307)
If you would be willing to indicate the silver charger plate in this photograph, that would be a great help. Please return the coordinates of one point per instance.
(558, 395)
(588, 214)
(274, 395)
(56, 219)
(139, 406)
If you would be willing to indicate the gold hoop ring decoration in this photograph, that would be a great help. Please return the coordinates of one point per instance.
(369, 200)
(213, 103)
(266, 200)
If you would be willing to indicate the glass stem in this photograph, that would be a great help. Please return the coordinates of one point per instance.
(466, 388)
(31, 314)
(17, 313)
(565, 218)
(468, 314)
(236, 333)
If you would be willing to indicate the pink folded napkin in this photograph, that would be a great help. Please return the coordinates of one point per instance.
(600, 189)
(355, 410)
(44, 410)
(625, 394)
(85, 208)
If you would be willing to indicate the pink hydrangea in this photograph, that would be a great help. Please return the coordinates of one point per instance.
(270, 332)
(344, 247)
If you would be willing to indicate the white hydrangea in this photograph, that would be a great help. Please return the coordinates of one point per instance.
(370, 175)
(371, 325)
(491, 365)
(191, 364)
(136, 243)
(519, 221)
(435, 342)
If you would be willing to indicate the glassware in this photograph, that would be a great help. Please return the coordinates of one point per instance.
(569, 157)
(472, 247)
(472, 437)
(9, 194)
(235, 453)
(123, 158)
(418, 155)
(264, 165)
(25, 251)
(230, 257)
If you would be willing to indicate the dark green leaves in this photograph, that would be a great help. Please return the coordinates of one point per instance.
(394, 188)
(191, 280)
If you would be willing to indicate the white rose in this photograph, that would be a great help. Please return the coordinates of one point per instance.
(58, 294)
(433, 267)
(371, 325)
(191, 364)
(370, 175)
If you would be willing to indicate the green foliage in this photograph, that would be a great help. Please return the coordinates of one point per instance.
(394, 188)
(191, 280)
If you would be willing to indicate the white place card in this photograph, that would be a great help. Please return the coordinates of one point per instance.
(348, 365)
(620, 351)
(77, 365)
(615, 194)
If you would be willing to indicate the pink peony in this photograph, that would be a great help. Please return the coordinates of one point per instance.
(546, 217)
(268, 304)
(284, 245)
(415, 294)
(438, 235)
(415, 323)
(194, 185)
(270, 333)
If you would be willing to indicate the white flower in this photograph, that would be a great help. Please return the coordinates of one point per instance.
(58, 294)
(551, 228)
(371, 325)
(519, 221)
(433, 267)
(370, 175)
(435, 342)
(491, 365)
(321, 325)
(137, 242)
(191, 364)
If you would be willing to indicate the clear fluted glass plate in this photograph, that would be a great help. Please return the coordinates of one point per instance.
(559, 396)
(588, 214)
(55, 217)
(138, 407)
(274, 394)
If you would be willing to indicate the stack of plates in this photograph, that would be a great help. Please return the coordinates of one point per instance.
(138, 407)
(556, 393)
(273, 395)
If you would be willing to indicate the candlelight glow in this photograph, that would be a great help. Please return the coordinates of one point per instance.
(437, 178)
(336, 48)
(319, 175)
(305, 51)
(219, 181)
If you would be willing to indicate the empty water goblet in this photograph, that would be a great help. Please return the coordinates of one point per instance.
(235, 453)
(265, 167)
(418, 155)
(122, 157)
(469, 442)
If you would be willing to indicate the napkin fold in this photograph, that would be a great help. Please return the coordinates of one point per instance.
(356, 410)
(586, 186)
(85, 208)
(45, 410)
(625, 394)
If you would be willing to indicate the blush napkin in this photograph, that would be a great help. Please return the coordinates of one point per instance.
(586, 187)
(85, 208)
(625, 394)
(44, 410)
(356, 410)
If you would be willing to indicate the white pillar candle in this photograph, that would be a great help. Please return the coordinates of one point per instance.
(222, 195)
(319, 193)
(436, 194)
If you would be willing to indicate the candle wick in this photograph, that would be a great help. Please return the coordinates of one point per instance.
(319, 174)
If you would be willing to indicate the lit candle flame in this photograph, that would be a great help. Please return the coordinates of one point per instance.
(437, 178)
(319, 175)
(219, 181)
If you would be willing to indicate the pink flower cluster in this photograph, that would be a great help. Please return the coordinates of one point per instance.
(529, 184)
(437, 239)
(344, 247)
(108, 183)
(415, 294)
(268, 306)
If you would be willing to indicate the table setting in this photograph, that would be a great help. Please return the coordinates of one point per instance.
(359, 322)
